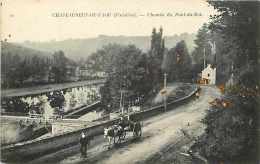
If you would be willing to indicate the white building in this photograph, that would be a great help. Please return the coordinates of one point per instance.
(100, 74)
(208, 75)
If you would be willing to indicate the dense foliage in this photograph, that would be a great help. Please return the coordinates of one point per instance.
(22, 67)
(202, 46)
(178, 63)
(132, 74)
(221, 56)
(231, 132)
(127, 73)
(155, 56)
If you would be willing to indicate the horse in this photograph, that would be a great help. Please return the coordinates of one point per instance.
(112, 132)
(131, 126)
(136, 128)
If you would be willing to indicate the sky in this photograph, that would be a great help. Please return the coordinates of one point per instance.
(36, 20)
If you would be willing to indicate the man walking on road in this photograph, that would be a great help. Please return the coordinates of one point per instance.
(83, 144)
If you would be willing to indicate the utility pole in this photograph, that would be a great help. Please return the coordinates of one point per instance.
(232, 74)
(165, 95)
(204, 60)
(121, 106)
(165, 80)
(213, 50)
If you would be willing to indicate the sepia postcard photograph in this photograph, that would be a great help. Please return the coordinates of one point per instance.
(130, 82)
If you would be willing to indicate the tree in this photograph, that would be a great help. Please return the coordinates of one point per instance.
(38, 66)
(59, 66)
(157, 44)
(6, 64)
(23, 72)
(231, 131)
(101, 60)
(237, 22)
(127, 72)
(178, 65)
(156, 54)
(202, 46)
(222, 59)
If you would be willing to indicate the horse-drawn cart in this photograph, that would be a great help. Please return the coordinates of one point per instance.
(120, 130)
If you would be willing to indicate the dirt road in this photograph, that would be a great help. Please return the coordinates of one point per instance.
(158, 133)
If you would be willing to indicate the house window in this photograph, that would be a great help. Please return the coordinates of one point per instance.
(208, 74)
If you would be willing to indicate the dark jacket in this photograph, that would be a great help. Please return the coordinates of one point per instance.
(83, 141)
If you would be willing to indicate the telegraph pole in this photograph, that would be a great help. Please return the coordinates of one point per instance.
(121, 103)
(204, 60)
(165, 95)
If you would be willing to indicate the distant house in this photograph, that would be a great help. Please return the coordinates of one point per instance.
(51, 75)
(72, 73)
(208, 75)
(100, 74)
(84, 72)
(70, 70)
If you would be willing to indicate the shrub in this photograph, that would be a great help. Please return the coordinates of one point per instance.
(231, 131)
